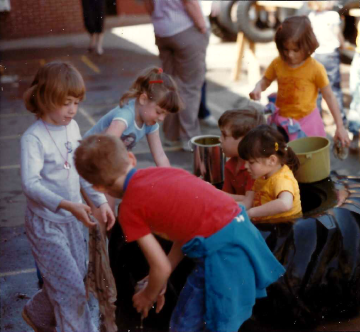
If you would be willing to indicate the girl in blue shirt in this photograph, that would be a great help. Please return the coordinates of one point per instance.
(149, 100)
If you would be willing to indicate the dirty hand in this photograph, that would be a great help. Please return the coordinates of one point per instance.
(160, 301)
(81, 213)
(142, 303)
(255, 94)
(107, 215)
(341, 134)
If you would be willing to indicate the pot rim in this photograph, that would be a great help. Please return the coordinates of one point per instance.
(193, 139)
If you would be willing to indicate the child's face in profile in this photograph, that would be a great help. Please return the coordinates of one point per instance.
(294, 56)
(151, 113)
(229, 144)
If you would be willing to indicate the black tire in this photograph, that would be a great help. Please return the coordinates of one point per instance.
(322, 259)
(225, 17)
(219, 31)
(256, 30)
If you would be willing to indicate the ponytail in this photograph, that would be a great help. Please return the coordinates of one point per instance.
(291, 159)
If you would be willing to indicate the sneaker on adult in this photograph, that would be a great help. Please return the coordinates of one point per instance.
(209, 121)
(185, 145)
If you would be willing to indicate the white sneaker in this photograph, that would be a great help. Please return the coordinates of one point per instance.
(186, 146)
(209, 121)
(172, 144)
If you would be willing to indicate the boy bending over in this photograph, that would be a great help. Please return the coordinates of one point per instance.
(233, 263)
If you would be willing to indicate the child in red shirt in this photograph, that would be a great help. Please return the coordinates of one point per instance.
(234, 125)
(204, 223)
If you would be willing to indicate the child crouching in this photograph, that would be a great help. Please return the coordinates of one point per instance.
(271, 163)
(203, 223)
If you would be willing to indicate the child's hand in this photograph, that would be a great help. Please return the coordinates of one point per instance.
(341, 134)
(142, 303)
(107, 215)
(79, 210)
(160, 301)
(255, 94)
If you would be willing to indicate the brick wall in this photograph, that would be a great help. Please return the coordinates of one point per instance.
(130, 7)
(30, 18)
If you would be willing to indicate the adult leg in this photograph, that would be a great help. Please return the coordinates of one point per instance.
(189, 49)
(59, 250)
(166, 53)
(331, 63)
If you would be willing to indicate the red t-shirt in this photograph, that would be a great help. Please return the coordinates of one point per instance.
(171, 201)
(238, 183)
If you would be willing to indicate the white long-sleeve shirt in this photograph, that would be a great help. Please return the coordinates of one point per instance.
(44, 179)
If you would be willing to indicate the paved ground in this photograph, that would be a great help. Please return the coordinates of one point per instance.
(127, 51)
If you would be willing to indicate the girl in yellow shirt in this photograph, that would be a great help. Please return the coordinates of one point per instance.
(300, 77)
(275, 193)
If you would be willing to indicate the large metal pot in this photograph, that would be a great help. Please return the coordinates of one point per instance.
(209, 159)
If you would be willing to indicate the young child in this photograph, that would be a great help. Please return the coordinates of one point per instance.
(271, 163)
(326, 26)
(299, 78)
(234, 125)
(203, 223)
(55, 211)
(151, 97)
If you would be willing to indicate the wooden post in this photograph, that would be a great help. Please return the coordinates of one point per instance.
(240, 43)
(253, 64)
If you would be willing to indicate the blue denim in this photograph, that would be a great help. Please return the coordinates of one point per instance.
(189, 312)
(354, 113)
(203, 110)
(331, 62)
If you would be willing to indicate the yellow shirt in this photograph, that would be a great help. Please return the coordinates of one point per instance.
(297, 87)
(267, 190)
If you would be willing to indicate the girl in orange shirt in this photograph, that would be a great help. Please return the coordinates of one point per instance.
(299, 77)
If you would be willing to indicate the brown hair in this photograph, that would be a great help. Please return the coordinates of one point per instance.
(298, 30)
(264, 141)
(53, 83)
(159, 87)
(100, 159)
(241, 121)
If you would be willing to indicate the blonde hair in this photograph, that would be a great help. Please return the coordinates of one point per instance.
(53, 83)
(159, 87)
(241, 121)
(100, 159)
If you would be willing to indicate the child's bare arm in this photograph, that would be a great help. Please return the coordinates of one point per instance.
(260, 86)
(116, 128)
(160, 270)
(248, 200)
(157, 150)
(283, 203)
(175, 255)
(237, 198)
(341, 133)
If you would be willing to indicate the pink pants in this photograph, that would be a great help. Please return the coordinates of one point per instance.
(310, 125)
